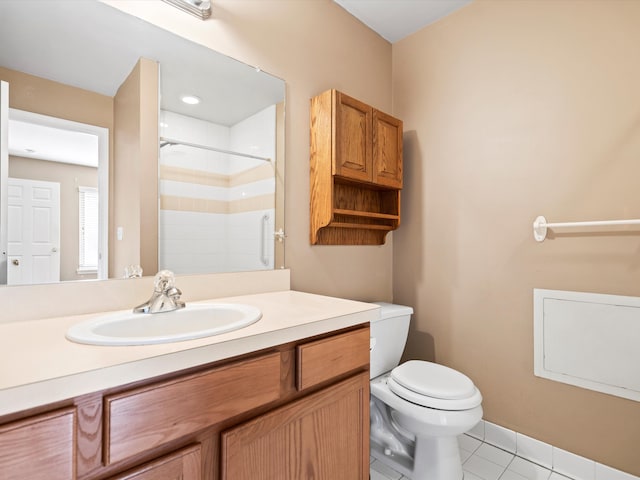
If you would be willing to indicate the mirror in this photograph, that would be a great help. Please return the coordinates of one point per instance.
(184, 186)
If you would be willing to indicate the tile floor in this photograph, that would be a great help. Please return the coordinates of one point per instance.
(481, 461)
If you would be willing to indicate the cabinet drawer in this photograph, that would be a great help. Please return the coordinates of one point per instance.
(327, 358)
(184, 465)
(144, 418)
(40, 447)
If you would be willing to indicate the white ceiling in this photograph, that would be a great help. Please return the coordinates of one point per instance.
(395, 19)
(94, 46)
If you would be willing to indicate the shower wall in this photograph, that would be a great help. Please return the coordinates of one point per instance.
(217, 210)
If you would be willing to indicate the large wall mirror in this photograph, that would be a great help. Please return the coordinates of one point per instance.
(125, 145)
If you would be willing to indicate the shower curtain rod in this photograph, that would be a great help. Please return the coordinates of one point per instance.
(170, 141)
(540, 225)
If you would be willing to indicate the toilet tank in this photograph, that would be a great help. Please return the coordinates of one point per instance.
(388, 337)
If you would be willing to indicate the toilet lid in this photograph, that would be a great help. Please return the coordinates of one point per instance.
(433, 380)
(434, 386)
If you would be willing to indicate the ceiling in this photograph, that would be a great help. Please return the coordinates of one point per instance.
(395, 19)
(94, 46)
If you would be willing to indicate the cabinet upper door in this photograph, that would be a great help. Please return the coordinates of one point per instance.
(352, 138)
(387, 150)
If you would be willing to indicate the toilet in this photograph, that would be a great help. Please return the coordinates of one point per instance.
(417, 408)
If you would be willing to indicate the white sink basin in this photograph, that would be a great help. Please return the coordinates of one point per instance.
(193, 321)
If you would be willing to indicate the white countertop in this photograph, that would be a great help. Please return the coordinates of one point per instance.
(38, 365)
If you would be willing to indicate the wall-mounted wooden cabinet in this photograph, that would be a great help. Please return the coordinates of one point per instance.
(356, 171)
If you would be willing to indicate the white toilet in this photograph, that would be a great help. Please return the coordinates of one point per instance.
(417, 408)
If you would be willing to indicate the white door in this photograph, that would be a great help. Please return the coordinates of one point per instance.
(4, 173)
(33, 232)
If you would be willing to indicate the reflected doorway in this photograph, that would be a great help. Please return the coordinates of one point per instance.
(75, 157)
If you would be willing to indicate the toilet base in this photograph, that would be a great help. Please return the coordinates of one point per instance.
(438, 458)
(416, 457)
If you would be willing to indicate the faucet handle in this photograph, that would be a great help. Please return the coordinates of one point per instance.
(174, 294)
(163, 280)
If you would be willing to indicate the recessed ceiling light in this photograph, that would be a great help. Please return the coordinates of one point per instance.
(190, 99)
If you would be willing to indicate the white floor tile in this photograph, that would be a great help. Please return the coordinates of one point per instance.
(375, 475)
(509, 475)
(470, 476)
(477, 431)
(468, 443)
(500, 436)
(557, 476)
(528, 470)
(488, 462)
(384, 470)
(465, 455)
(483, 468)
(494, 454)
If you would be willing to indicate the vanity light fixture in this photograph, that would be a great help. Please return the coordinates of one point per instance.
(198, 8)
(190, 99)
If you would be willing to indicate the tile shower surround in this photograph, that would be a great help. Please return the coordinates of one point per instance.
(492, 452)
(216, 226)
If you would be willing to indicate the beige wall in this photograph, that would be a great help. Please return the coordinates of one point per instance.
(135, 172)
(313, 45)
(514, 110)
(70, 177)
(39, 95)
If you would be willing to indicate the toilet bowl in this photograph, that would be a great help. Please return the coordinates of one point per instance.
(417, 408)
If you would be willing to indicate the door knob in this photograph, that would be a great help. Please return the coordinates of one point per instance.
(16, 261)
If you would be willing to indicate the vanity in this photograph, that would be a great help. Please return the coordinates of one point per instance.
(285, 397)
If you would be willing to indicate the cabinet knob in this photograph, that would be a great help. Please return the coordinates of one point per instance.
(16, 261)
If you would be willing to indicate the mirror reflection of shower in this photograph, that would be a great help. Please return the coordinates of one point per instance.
(217, 193)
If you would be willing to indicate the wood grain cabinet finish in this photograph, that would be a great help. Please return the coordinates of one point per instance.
(331, 357)
(353, 137)
(302, 407)
(387, 150)
(355, 171)
(183, 465)
(324, 436)
(39, 448)
(147, 417)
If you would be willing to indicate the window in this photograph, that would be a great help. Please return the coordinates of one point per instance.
(88, 227)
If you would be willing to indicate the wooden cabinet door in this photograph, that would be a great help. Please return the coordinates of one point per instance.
(387, 150)
(324, 436)
(39, 448)
(352, 138)
(183, 465)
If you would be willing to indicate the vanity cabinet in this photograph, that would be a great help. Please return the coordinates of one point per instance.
(355, 171)
(322, 436)
(41, 446)
(298, 410)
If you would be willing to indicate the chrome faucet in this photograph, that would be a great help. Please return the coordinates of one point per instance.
(165, 296)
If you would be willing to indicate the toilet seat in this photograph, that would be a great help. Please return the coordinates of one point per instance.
(434, 386)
